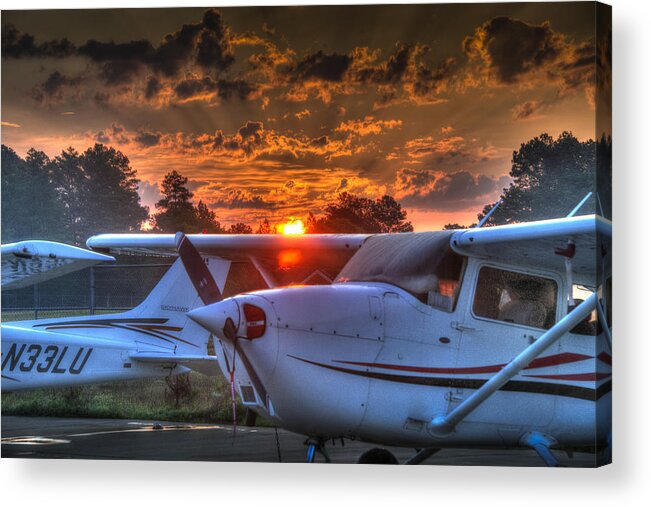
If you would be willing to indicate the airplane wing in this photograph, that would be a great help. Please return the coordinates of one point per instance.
(537, 243)
(280, 259)
(30, 262)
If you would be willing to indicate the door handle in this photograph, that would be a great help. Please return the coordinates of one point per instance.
(462, 327)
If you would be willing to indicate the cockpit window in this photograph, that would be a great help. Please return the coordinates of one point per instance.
(422, 264)
(448, 273)
(590, 324)
(513, 297)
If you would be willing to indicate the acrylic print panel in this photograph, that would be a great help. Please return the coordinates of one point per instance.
(291, 234)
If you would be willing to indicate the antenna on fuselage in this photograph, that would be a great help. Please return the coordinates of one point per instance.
(487, 215)
(578, 206)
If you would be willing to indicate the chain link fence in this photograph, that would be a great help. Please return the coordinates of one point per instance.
(103, 288)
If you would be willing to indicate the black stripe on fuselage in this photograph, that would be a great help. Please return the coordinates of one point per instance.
(105, 321)
(583, 393)
(114, 323)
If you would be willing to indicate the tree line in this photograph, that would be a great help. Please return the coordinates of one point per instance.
(349, 213)
(70, 197)
(75, 195)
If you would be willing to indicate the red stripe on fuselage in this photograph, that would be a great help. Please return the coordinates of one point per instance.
(556, 359)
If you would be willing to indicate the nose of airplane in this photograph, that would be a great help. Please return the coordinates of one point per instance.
(214, 317)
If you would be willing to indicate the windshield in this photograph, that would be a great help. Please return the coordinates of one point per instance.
(420, 263)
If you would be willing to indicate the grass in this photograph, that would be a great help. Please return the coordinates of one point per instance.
(209, 401)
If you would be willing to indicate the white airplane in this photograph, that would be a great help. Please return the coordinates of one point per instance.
(491, 337)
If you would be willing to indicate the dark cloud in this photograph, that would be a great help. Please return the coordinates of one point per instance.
(194, 87)
(191, 87)
(101, 137)
(604, 63)
(175, 50)
(320, 141)
(509, 51)
(114, 134)
(214, 49)
(424, 189)
(207, 43)
(52, 89)
(23, 45)
(250, 136)
(102, 100)
(241, 199)
(153, 87)
(390, 71)
(119, 63)
(513, 47)
(322, 66)
(408, 74)
(238, 88)
(526, 110)
(147, 139)
(139, 50)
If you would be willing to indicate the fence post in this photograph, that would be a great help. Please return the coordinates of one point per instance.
(35, 301)
(92, 290)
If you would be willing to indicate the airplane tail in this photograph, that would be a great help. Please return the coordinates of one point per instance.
(154, 339)
(158, 325)
(167, 305)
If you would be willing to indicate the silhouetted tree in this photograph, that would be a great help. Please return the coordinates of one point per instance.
(30, 205)
(207, 220)
(110, 194)
(240, 228)
(70, 182)
(355, 214)
(176, 211)
(550, 176)
(265, 228)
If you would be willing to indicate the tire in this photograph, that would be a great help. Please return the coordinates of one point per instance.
(377, 456)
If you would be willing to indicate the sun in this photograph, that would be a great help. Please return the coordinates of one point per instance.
(292, 226)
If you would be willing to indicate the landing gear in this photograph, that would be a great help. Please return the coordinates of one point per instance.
(377, 456)
(314, 446)
(542, 445)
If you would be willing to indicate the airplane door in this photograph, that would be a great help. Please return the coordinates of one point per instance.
(505, 311)
(418, 343)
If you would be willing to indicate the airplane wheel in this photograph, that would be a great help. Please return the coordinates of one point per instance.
(377, 456)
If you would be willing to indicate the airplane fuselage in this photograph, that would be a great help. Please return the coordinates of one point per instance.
(370, 361)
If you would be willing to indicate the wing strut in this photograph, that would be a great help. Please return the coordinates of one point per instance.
(444, 425)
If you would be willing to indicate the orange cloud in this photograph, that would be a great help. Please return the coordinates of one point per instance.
(368, 126)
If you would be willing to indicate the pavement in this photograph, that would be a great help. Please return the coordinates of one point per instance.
(116, 439)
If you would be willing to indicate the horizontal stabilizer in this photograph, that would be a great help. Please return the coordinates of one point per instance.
(208, 365)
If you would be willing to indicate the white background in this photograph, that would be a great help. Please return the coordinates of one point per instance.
(626, 482)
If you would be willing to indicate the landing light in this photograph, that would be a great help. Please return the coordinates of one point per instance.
(256, 321)
(294, 226)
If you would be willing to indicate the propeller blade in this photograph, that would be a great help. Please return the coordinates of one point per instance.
(197, 270)
(209, 293)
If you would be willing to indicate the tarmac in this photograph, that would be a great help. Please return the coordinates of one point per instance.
(117, 439)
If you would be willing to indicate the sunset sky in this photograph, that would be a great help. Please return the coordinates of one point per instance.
(270, 112)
